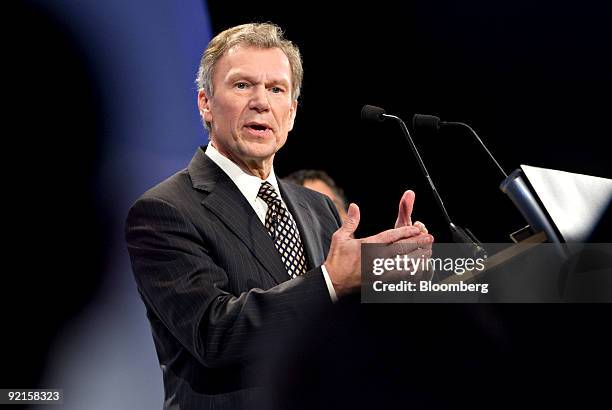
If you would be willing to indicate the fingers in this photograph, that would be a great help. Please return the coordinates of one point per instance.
(421, 226)
(404, 213)
(393, 235)
(351, 222)
(422, 240)
(418, 261)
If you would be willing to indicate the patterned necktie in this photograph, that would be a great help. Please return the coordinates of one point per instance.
(283, 230)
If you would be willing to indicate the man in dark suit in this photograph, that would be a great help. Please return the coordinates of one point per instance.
(224, 254)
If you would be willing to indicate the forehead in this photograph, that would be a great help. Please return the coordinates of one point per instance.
(253, 61)
(319, 186)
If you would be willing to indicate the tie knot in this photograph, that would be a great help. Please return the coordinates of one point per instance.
(268, 193)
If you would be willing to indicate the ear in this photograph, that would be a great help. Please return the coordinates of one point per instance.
(293, 111)
(204, 106)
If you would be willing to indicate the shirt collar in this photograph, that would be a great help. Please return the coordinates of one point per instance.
(247, 184)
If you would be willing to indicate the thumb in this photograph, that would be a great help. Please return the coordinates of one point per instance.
(404, 214)
(350, 224)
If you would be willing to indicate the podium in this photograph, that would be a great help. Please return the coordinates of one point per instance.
(552, 259)
(567, 207)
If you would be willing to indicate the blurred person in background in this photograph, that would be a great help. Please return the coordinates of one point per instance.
(319, 181)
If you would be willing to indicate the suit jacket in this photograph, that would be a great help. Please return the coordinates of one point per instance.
(213, 283)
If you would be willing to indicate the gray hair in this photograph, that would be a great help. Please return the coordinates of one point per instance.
(260, 35)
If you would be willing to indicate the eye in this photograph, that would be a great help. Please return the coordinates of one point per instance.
(276, 90)
(241, 85)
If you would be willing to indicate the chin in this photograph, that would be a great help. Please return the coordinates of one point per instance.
(260, 149)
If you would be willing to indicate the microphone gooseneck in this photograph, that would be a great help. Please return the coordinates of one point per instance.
(462, 124)
(431, 122)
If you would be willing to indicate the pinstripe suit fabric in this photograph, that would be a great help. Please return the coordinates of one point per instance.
(213, 283)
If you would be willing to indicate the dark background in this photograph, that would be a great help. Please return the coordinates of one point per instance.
(533, 78)
(56, 223)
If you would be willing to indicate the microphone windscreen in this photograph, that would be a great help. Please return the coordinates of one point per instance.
(425, 122)
(372, 113)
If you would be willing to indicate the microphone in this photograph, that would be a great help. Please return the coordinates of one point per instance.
(372, 113)
(424, 121)
(433, 123)
(460, 235)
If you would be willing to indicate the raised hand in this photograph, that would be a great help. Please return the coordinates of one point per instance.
(343, 263)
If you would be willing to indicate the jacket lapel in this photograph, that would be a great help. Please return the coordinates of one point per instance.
(229, 205)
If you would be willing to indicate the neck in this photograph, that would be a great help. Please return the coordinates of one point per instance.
(259, 169)
(255, 167)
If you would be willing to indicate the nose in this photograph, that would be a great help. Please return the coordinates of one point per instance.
(259, 99)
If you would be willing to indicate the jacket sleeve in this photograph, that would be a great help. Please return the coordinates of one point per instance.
(182, 285)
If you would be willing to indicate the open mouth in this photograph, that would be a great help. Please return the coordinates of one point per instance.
(257, 128)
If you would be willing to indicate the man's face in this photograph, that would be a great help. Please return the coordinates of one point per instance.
(251, 110)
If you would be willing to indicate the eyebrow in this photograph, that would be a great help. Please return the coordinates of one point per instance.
(239, 75)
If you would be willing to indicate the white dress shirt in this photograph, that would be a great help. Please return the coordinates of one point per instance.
(249, 186)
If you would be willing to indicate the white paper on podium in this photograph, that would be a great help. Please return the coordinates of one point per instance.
(575, 202)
